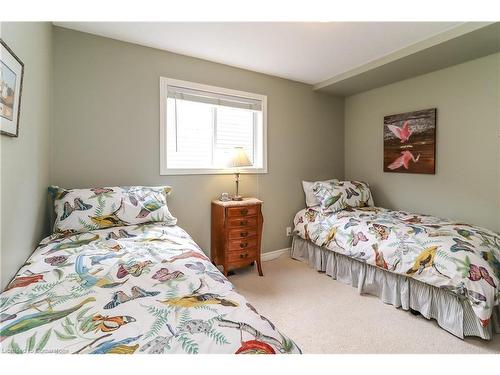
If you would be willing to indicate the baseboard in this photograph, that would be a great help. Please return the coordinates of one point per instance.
(274, 254)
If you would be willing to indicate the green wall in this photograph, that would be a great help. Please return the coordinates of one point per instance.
(466, 185)
(25, 160)
(106, 129)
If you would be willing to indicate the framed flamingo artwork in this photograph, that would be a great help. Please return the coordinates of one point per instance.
(410, 142)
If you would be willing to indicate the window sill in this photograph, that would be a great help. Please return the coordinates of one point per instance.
(176, 172)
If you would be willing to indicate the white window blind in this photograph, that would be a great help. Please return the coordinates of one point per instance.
(234, 128)
(201, 125)
(214, 98)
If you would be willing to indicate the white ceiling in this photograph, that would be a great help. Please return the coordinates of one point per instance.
(304, 52)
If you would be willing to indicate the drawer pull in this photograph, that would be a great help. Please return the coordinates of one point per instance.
(244, 211)
(243, 234)
(244, 255)
(243, 245)
(243, 222)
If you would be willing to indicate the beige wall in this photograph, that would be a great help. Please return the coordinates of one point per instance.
(25, 160)
(466, 185)
(106, 127)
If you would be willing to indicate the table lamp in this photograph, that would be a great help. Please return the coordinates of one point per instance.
(238, 159)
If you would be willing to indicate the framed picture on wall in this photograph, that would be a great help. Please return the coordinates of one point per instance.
(11, 84)
(410, 142)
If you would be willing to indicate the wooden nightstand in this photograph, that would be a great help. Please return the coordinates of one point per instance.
(236, 233)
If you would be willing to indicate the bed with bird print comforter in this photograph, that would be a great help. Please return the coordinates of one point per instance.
(459, 257)
(146, 288)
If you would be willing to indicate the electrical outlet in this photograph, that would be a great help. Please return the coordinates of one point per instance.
(288, 231)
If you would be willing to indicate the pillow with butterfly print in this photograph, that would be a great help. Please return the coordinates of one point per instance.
(82, 210)
(311, 200)
(339, 195)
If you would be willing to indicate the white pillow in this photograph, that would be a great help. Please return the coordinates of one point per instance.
(311, 200)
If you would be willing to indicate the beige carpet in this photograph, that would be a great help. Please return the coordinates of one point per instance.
(323, 315)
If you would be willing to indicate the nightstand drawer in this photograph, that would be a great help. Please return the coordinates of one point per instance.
(237, 256)
(235, 245)
(242, 222)
(242, 233)
(242, 211)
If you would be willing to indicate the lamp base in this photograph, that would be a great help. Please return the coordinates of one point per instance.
(237, 196)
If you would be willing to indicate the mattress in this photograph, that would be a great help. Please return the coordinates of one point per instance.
(458, 257)
(136, 289)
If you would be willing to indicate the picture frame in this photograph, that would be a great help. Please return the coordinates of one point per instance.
(410, 142)
(11, 85)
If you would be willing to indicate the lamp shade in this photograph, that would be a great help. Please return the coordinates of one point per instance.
(239, 158)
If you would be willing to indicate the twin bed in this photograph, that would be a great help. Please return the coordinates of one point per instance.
(118, 276)
(446, 271)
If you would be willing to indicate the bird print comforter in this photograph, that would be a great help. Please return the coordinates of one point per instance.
(462, 258)
(136, 289)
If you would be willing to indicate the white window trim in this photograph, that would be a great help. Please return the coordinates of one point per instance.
(164, 83)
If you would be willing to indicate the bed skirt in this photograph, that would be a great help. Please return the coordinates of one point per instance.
(451, 313)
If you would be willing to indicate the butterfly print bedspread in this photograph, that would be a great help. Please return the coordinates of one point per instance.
(136, 289)
(462, 258)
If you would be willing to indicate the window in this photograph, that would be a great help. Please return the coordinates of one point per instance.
(201, 125)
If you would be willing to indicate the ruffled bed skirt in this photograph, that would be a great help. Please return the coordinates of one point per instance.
(451, 313)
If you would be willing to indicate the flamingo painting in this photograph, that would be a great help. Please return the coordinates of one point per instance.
(403, 160)
(402, 133)
(410, 142)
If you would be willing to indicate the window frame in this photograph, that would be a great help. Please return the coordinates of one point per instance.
(164, 170)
